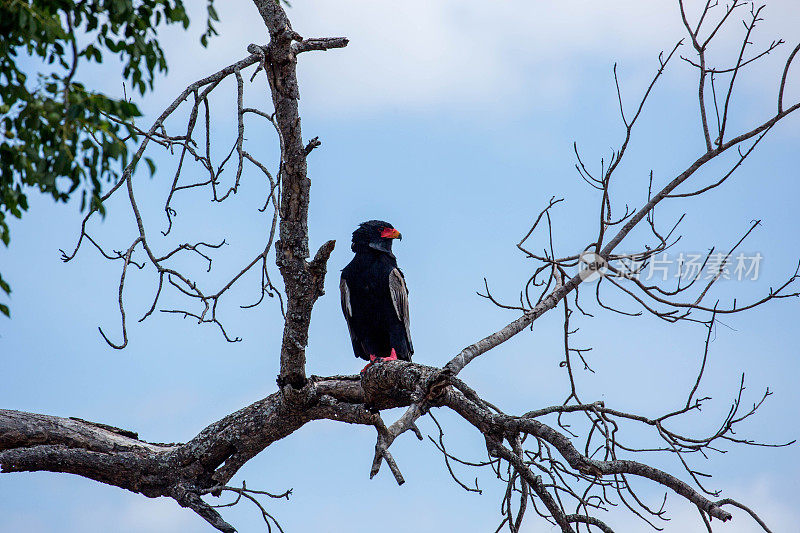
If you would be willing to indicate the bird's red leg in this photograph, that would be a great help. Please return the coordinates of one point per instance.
(372, 359)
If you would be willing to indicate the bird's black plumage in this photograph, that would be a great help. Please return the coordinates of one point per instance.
(374, 295)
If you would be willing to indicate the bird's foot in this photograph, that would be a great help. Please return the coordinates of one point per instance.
(373, 359)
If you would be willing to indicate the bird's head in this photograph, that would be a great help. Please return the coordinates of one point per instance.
(375, 234)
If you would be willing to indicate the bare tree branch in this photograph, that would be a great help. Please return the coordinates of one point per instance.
(566, 469)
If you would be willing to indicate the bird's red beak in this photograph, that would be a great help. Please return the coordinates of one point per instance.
(391, 233)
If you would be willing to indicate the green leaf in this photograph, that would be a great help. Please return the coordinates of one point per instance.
(68, 149)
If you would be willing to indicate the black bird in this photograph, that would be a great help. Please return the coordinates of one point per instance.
(375, 297)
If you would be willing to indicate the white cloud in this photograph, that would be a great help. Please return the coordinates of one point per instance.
(422, 54)
(419, 54)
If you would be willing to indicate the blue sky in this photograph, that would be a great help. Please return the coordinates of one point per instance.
(454, 121)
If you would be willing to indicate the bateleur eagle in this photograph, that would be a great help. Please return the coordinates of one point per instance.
(375, 297)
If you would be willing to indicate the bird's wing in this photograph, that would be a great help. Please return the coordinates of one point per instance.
(345, 292)
(399, 293)
(358, 350)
